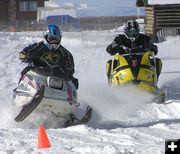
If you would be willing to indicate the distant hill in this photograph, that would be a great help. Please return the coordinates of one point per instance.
(109, 11)
(93, 10)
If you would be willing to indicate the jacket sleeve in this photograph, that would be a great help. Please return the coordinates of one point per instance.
(149, 44)
(26, 54)
(69, 63)
(153, 47)
(114, 47)
(71, 68)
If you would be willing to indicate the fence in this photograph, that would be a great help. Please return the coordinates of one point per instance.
(80, 39)
(89, 38)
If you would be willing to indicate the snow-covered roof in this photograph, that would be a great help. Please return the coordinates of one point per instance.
(142, 3)
(51, 4)
(52, 11)
(163, 2)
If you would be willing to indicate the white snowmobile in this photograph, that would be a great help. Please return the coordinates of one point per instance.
(39, 90)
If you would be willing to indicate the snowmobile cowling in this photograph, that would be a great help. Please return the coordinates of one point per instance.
(40, 92)
(138, 69)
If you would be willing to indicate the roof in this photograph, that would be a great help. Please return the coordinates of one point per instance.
(163, 2)
(142, 3)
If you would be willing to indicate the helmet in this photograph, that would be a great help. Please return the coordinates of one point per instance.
(131, 29)
(53, 36)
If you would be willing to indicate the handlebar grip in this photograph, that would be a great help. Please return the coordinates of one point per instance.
(23, 56)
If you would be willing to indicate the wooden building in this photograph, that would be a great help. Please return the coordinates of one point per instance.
(161, 19)
(18, 13)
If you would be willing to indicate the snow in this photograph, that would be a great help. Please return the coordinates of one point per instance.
(52, 4)
(161, 2)
(68, 4)
(53, 11)
(83, 6)
(118, 125)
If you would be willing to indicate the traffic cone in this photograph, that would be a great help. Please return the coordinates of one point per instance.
(43, 141)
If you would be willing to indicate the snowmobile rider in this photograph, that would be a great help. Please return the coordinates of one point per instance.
(132, 39)
(50, 51)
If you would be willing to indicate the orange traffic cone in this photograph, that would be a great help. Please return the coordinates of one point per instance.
(43, 141)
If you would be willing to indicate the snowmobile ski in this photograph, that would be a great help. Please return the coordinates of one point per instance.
(160, 97)
(31, 105)
(74, 121)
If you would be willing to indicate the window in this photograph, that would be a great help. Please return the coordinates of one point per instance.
(28, 6)
(177, 31)
(32, 6)
(23, 6)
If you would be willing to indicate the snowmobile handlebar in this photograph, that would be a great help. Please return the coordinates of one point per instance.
(49, 70)
(133, 51)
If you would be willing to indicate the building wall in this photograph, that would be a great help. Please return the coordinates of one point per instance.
(41, 3)
(150, 21)
(3, 10)
(10, 15)
(162, 21)
(31, 15)
(9, 11)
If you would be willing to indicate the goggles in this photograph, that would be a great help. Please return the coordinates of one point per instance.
(53, 40)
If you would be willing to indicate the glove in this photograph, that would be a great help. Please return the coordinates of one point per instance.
(113, 48)
(23, 57)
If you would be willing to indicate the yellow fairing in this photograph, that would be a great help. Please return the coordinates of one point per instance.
(122, 77)
(146, 87)
(121, 73)
(147, 71)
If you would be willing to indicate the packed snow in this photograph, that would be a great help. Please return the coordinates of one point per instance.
(121, 123)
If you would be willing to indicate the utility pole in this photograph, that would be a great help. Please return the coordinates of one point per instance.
(12, 14)
(138, 12)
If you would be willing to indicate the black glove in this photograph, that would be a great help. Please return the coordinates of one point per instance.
(113, 48)
(24, 57)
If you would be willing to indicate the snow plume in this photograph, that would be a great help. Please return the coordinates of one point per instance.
(118, 106)
(6, 114)
(121, 106)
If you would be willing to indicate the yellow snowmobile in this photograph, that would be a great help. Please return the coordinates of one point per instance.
(136, 68)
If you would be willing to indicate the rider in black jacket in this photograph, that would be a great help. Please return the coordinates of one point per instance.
(133, 40)
(50, 52)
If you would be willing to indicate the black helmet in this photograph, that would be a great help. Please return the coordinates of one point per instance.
(131, 29)
(53, 36)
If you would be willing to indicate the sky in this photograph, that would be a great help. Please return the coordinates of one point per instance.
(101, 3)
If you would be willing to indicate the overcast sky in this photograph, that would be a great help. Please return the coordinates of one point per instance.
(103, 3)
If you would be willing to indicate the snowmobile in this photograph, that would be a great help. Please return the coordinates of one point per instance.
(135, 68)
(40, 90)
